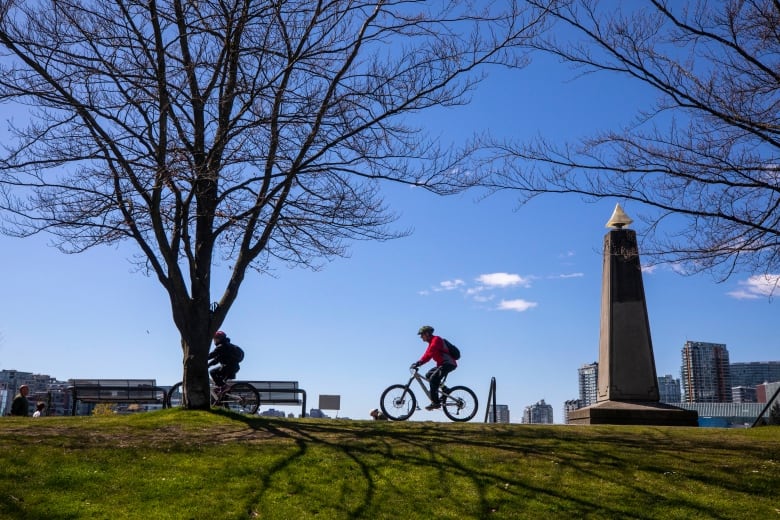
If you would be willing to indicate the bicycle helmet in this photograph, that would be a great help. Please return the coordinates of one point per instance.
(425, 329)
(219, 336)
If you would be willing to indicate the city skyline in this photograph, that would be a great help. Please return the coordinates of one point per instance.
(757, 375)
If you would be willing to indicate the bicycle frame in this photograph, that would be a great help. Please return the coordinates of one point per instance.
(422, 380)
(217, 392)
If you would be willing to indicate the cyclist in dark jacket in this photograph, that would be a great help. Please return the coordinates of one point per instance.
(227, 356)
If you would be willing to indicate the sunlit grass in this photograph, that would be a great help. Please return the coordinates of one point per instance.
(191, 465)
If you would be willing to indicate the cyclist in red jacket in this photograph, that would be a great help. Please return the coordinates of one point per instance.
(444, 363)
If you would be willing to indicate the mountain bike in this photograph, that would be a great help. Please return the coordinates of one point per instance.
(398, 402)
(237, 397)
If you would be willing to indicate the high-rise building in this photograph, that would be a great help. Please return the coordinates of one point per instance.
(539, 413)
(706, 376)
(754, 373)
(570, 406)
(743, 394)
(765, 391)
(669, 389)
(502, 413)
(589, 383)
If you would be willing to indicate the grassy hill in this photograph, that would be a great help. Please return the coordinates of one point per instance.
(198, 465)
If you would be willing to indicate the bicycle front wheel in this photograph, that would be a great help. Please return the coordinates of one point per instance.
(460, 404)
(398, 402)
(175, 396)
(241, 398)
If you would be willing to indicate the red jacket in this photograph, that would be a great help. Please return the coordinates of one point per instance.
(438, 352)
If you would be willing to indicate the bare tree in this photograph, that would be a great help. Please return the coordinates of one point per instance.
(703, 163)
(233, 132)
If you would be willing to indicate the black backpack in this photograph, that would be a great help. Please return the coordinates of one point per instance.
(453, 350)
(238, 354)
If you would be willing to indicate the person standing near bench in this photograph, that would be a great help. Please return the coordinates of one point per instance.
(228, 356)
(20, 406)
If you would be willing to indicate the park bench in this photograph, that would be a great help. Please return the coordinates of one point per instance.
(115, 391)
(280, 392)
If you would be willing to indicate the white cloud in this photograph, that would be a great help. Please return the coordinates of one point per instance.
(568, 275)
(649, 269)
(482, 292)
(450, 285)
(742, 294)
(679, 268)
(516, 305)
(503, 280)
(757, 286)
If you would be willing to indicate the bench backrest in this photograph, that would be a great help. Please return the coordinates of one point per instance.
(277, 392)
(116, 389)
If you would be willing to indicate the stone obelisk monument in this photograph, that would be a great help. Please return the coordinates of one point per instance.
(627, 382)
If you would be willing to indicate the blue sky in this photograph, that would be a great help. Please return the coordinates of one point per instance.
(517, 289)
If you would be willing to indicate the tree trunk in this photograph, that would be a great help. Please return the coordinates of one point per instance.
(195, 382)
(194, 321)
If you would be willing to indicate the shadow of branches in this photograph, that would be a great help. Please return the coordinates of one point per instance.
(518, 471)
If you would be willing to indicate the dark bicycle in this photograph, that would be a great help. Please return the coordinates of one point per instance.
(398, 402)
(237, 397)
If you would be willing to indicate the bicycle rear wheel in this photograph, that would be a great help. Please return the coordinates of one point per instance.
(241, 398)
(175, 397)
(460, 404)
(398, 403)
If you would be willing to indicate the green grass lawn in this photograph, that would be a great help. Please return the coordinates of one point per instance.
(198, 465)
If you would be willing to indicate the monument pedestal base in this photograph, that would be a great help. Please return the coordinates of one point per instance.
(634, 412)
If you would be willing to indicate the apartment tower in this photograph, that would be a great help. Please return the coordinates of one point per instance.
(539, 413)
(706, 375)
(588, 376)
(669, 389)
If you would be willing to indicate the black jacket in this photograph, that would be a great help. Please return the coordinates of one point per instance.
(224, 354)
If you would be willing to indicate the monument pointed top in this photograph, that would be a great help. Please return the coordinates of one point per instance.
(619, 219)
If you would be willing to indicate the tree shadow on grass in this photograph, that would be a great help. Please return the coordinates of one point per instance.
(515, 470)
